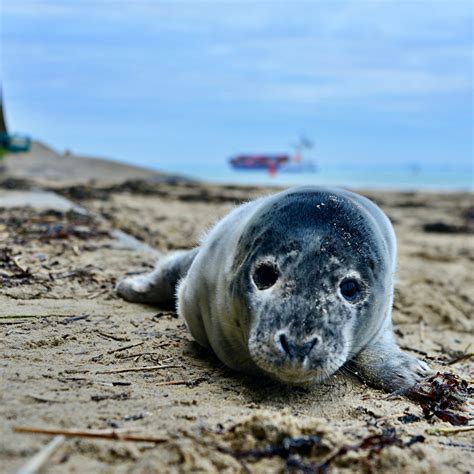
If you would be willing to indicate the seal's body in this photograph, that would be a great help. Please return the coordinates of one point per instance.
(294, 285)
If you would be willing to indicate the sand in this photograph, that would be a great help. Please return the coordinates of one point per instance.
(64, 355)
(44, 164)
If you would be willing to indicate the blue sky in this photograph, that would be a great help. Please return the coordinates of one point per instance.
(169, 83)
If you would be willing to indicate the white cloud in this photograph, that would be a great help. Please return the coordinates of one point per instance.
(263, 51)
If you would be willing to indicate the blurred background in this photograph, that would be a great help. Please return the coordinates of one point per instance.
(354, 93)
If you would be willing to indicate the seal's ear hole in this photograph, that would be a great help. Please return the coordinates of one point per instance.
(265, 275)
(350, 289)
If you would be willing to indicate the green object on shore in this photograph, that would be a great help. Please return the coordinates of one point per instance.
(14, 143)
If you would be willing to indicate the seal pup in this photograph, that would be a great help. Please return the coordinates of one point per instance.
(295, 285)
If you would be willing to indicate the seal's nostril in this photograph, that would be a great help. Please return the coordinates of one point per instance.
(294, 349)
(312, 343)
(284, 343)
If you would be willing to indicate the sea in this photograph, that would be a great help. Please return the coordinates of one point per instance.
(407, 178)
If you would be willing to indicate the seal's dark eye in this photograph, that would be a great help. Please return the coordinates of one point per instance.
(265, 275)
(350, 289)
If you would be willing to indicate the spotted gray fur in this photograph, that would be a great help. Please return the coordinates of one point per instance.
(300, 330)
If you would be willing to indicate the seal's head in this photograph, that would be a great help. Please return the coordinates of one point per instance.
(312, 278)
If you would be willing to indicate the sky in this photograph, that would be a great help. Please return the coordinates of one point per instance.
(170, 84)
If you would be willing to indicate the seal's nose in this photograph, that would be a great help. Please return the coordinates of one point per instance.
(296, 349)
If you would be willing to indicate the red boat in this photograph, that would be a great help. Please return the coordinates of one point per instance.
(259, 162)
(276, 162)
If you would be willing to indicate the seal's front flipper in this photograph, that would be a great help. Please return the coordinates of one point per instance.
(159, 285)
(383, 364)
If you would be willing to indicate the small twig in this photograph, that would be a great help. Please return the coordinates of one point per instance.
(190, 383)
(103, 434)
(73, 319)
(112, 336)
(16, 261)
(29, 316)
(117, 383)
(139, 369)
(140, 354)
(441, 431)
(172, 382)
(40, 458)
(460, 358)
(137, 355)
(43, 399)
(470, 447)
(98, 293)
(126, 347)
(163, 344)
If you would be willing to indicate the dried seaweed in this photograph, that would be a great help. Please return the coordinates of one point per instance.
(115, 396)
(440, 395)
(374, 444)
(167, 186)
(292, 450)
(288, 448)
(448, 228)
(406, 419)
(51, 225)
(11, 272)
(17, 184)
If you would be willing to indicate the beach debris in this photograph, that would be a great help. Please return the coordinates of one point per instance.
(287, 447)
(51, 225)
(113, 396)
(160, 314)
(43, 399)
(17, 184)
(408, 418)
(293, 449)
(441, 227)
(115, 434)
(461, 356)
(175, 187)
(39, 249)
(302, 445)
(82, 192)
(130, 346)
(138, 416)
(38, 461)
(73, 319)
(114, 337)
(441, 395)
(140, 369)
(373, 444)
(12, 272)
(189, 383)
(448, 431)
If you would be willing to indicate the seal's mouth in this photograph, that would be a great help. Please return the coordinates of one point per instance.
(300, 377)
(292, 372)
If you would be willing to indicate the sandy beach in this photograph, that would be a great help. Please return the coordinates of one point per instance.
(75, 356)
